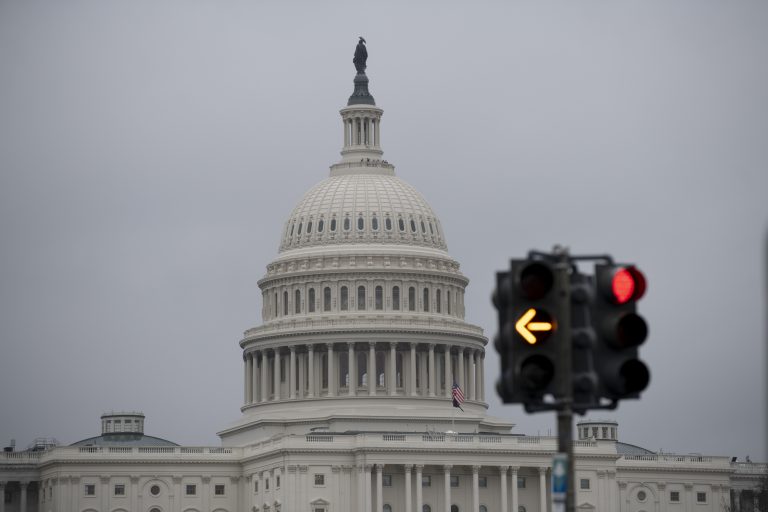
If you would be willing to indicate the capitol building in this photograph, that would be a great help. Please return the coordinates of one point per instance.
(347, 390)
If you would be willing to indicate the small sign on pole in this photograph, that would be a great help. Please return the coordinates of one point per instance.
(559, 481)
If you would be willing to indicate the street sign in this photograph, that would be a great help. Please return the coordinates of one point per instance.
(559, 477)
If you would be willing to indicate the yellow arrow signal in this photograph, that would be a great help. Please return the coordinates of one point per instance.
(524, 326)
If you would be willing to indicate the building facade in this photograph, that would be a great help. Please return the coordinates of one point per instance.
(347, 390)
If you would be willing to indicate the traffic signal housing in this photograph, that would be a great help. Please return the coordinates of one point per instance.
(619, 330)
(530, 299)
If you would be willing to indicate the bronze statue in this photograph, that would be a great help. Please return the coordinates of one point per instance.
(361, 56)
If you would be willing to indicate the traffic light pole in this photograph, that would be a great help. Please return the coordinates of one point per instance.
(564, 384)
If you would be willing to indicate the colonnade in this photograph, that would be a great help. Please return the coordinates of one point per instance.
(362, 131)
(414, 474)
(345, 369)
(23, 489)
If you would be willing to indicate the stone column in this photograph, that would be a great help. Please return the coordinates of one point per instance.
(472, 377)
(475, 488)
(311, 370)
(460, 369)
(419, 500)
(543, 489)
(292, 374)
(448, 377)
(254, 378)
(332, 377)
(367, 487)
(408, 478)
(372, 377)
(503, 488)
(104, 498)
(352, 368)
(379, 488)
(361, 487)
(482, 377)
(661, 497)
(277, 374)
(688, 497)
(23, 499)
(432, 379)
(412, 374)
(514, 488)
(248, 378)
(263, 370)
(392, 376)
(301, 365)
(447, 486)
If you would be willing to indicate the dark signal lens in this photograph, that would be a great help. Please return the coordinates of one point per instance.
(536, 373)
(536, 281)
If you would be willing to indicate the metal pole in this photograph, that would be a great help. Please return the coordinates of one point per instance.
(565, 406)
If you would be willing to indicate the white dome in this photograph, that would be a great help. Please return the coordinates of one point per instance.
(362, 208)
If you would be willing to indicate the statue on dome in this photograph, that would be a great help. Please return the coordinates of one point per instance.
(361, 56)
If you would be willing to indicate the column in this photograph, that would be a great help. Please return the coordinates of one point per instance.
(302, 368)
(419, 500)
(377, 141)
(475, 488)
(448, 379)
(543, 489)
(254, 377)
(460, 369)
(372, 377)
(248, 376)
(23, 502)
(292, 374)
(473, 374)
(2, 496)
(311, 370)
(104, 492)
(412, 374)
(662, 494)
(351, 367)
(346, 133)
(379, 488)
(277, 374)
(392, 376)
(422, 369)
(503, 488)
(367, 487)
(514, 489)
(469, 393)
(447, 486)
(432, 379)
(688, 497)
(263, 371)
(332, 377)
(408, 477)
(482, 376)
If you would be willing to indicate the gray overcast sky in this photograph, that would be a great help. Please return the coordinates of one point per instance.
(150, 152)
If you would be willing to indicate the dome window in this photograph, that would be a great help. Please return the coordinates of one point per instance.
(396, 298)
(379, 298)
(347, 224)
(411, 299)
(360, 223)
(320, 225)
(423, 227)
(413, 226)
(431, 229)
(309, 227)
(426, 299)
(297, 302)
(401, 224)
(326, 299)
(448, 301)
(300, 225)
(375, 223)
(388, 224)
(311, 300)
(344, 298)
(293, 226)
(361, 298)
(285, 303)
(333, 224)
(437, 301)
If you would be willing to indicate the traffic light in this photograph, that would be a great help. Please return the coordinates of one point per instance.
(584, 378)
(620, 330)
(530, 299)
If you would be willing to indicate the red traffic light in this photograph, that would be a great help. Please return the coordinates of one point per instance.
(627, 283)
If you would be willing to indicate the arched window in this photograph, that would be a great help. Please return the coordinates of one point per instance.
(346, 224)
(396, 298)
(333, 224)
(326, 299)
(379, 297)
(431, 229)
(426, 299)
(411, 299)
(311, 300)
(423, 228)
(448, 301)
(293, 226)
(309, 227)
(344, 298)
(401, 224)
(375, 223)
(413, 226)
(360, 223)
(361, 298)
(285, 303)
(437, 301)
(320, 225)
(274, 306)
(300, 224)
(388, 224)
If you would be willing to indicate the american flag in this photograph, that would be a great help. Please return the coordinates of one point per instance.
(458, 396)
